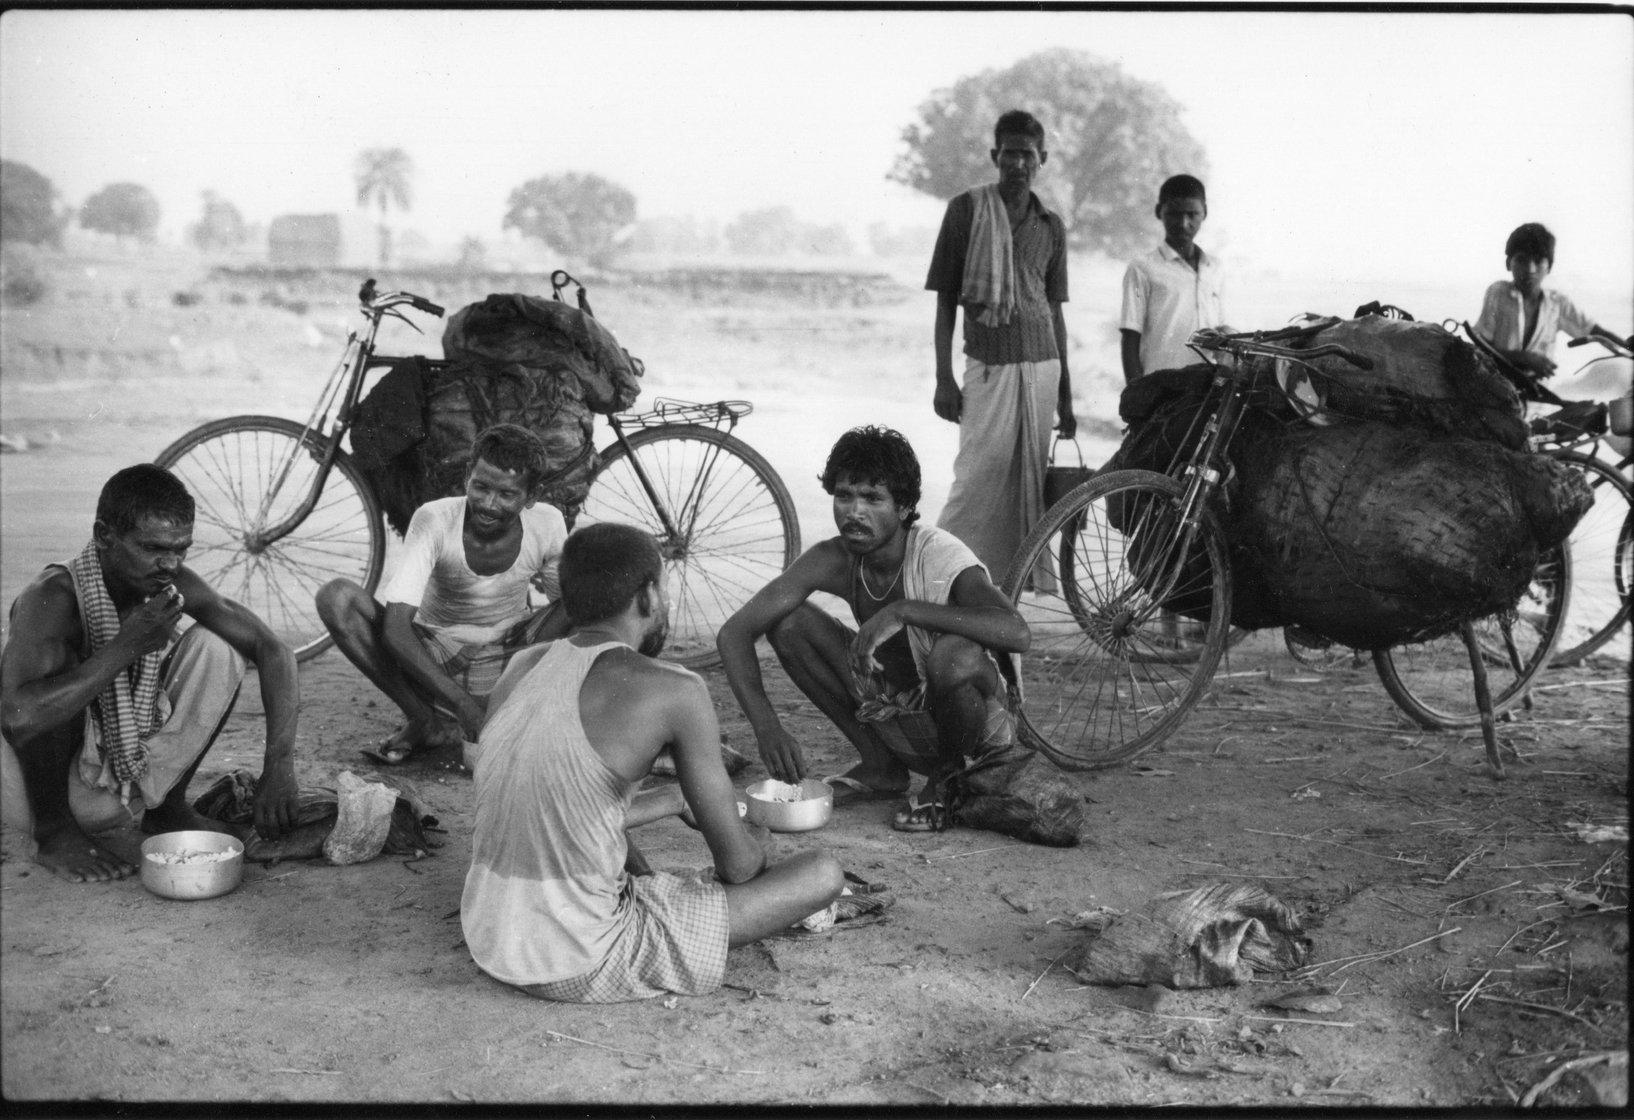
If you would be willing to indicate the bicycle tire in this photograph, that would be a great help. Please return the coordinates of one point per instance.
(736, 527)
(1432, 681)
(1602, 540)
(228, 466)
(1098, 685)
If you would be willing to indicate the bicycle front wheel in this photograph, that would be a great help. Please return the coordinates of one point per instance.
(730, 528)
(1110, 671)
(232, 468)
(1602, 548)
(1433, 682)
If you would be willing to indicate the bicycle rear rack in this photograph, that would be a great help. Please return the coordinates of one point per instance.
(667, 411)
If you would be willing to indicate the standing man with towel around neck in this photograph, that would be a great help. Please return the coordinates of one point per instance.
(1003, 256)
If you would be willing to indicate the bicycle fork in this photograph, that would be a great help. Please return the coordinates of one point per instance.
(1202, 477)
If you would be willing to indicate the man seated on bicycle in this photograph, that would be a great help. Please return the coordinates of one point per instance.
(920, 685)
(106, 712)
(454, 609)
(1520, 317)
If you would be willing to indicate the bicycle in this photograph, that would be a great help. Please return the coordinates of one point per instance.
(1602, 544)
(1102, 681)
(282, 509)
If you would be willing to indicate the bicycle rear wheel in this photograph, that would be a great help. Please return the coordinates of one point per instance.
(734, 525)
(1602, 547)
(1432, 681)
(1107, 676)
(230, 467)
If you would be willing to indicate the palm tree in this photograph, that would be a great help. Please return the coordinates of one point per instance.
(383, 176)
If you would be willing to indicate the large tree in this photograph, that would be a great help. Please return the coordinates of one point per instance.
(28, 209)
(384, 179)
(1112, 140)
(576, 214)
(122, 209)
(220, 226)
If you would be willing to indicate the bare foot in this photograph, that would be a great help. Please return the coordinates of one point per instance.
(421, 735)
(881, 780)
(74, 856)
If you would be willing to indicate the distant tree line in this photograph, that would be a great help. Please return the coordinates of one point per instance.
(1111, 138)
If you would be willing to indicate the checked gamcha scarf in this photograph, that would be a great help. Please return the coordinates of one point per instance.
(126, 712)
(990, 262)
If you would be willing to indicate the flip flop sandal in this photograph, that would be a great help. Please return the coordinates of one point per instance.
(387, 756)
(930, 816)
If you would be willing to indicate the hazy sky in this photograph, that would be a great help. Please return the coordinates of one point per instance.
(1377, 145)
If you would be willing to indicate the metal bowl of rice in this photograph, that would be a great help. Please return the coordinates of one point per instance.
(790, 807)
(192, 865)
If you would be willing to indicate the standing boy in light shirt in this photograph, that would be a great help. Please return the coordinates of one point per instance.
(1173, 290)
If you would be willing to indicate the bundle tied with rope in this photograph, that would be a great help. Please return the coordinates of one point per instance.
(520, 359)
(1404, 506)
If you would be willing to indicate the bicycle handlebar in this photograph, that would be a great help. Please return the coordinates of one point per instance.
(383, 301)
(1620, 349)
(1242, 345)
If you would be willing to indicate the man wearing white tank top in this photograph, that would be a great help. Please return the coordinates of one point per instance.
(574, 727)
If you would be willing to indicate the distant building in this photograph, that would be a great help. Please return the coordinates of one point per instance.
(322, 241)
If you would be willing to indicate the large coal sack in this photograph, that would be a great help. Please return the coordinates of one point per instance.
(547, 335)
(1373, 535)
(1421, 375)
(465, 396)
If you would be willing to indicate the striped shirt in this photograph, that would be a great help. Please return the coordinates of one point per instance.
(1040, 241)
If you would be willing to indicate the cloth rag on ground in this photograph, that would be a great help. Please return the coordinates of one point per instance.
(231, 800)
(1213, 936)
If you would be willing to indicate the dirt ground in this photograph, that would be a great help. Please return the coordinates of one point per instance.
(1474, 932)
(1476, 941)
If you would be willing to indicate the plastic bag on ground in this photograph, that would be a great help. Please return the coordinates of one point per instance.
(363, 821)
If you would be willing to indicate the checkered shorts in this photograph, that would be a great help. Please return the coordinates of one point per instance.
(476, 668)
(675, 941)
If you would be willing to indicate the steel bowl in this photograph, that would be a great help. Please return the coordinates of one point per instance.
(214, 864)
(811, 811)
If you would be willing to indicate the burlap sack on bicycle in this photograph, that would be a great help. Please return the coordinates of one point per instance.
(465, 396)
(1372, 535)
(1422, 375)
(387, 429)
(547, 334)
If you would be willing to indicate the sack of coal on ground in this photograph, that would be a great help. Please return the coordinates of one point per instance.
(1373, 535)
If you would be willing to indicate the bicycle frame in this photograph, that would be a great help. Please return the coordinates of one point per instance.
(345, 385)
(666, 412)
(1207, 468)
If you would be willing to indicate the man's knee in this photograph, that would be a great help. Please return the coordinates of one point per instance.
(796, 634)
(340, 600)
(204, 657)
(955, 661)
